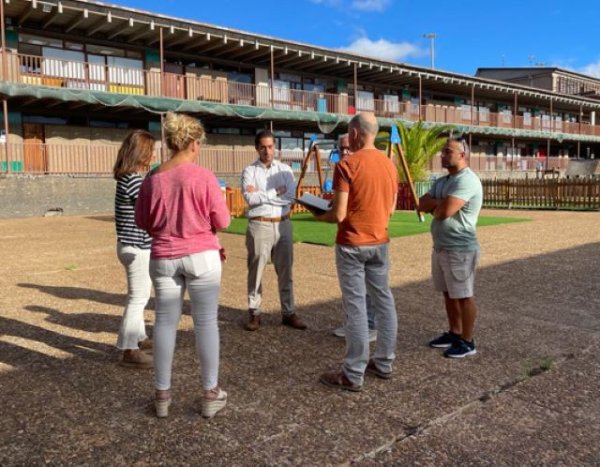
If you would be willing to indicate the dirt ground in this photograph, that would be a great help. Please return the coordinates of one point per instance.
(530, 395)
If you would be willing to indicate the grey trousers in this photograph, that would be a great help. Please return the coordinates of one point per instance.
(363, 269)
(264, 241)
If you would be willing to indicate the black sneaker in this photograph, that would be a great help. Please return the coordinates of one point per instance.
(444, 341)
(461, 349)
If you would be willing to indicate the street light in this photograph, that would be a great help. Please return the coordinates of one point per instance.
(431, 36)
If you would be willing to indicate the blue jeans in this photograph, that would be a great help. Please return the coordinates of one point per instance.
(362, 270)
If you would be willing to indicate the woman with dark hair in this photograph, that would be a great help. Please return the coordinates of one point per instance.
(181, 206)
(133, 247)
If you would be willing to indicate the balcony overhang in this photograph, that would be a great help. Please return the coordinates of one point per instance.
(231, 115)
(228, 114)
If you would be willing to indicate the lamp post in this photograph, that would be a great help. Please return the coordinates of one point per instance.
(431, 36)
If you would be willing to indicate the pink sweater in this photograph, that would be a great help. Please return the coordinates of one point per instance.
(182, 209)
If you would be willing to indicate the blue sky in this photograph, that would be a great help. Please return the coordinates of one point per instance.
(470, 33)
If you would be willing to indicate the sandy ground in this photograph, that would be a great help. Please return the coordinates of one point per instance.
(529, 397)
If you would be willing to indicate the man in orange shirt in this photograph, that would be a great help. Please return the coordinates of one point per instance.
(365, 185)
(344, 150)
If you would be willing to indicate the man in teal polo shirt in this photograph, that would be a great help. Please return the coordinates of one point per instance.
(455, 201)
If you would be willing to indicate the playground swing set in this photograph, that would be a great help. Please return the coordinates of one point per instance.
(326, 184)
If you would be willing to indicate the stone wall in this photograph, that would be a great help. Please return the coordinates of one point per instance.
(30, 196)
(36, 196)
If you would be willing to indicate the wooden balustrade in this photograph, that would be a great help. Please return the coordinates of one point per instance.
(215, 87)
(98, 159)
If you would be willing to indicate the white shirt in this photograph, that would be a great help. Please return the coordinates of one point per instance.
(265, 202)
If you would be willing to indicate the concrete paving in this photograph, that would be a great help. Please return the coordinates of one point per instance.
(530, 395)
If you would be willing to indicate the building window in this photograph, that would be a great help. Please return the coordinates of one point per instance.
(73, 46)
(101, 50)
(41, 41)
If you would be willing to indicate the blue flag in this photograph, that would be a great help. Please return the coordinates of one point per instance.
(395, 138)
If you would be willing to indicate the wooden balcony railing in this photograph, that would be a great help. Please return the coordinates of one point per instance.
(98, 160)
(45, 71)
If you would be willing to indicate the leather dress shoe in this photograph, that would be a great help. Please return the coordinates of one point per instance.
(337, 379)
(293, 321)
(373, 370)
(253, 323)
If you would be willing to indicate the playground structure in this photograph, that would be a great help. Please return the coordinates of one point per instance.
(393, 147)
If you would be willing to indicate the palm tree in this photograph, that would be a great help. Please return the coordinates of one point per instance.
(419, 144)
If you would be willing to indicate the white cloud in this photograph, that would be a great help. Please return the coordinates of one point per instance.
(370, 5)
(361, 5)
(327, 2)
(384, 49)
(593, 69)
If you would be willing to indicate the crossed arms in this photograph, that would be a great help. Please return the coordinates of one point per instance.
(255, 196)
(440, 208)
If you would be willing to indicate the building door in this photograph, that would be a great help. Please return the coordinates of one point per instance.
(33, 148)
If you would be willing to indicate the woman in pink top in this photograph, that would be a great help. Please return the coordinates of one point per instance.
(181, 206)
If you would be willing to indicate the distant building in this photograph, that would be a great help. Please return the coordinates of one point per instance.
(550, 78)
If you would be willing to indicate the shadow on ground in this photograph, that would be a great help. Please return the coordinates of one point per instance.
(84, 409)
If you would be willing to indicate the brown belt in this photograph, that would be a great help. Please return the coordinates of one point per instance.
(270, 219)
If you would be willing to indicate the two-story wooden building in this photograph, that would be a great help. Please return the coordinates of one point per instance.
(77, 75)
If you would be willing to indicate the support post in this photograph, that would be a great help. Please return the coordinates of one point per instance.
(515, 112)
(272, 75)
(6, 145)
(5, 76)
(472, 104)
(513, 155)
(163, 145)
(551, 116)
(3, 42)
(355, 88)
(420, 97)
(162, 64)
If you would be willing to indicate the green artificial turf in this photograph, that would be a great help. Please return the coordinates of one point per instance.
(308, 230)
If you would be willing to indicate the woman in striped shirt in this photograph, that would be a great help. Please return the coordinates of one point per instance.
(133, 247)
